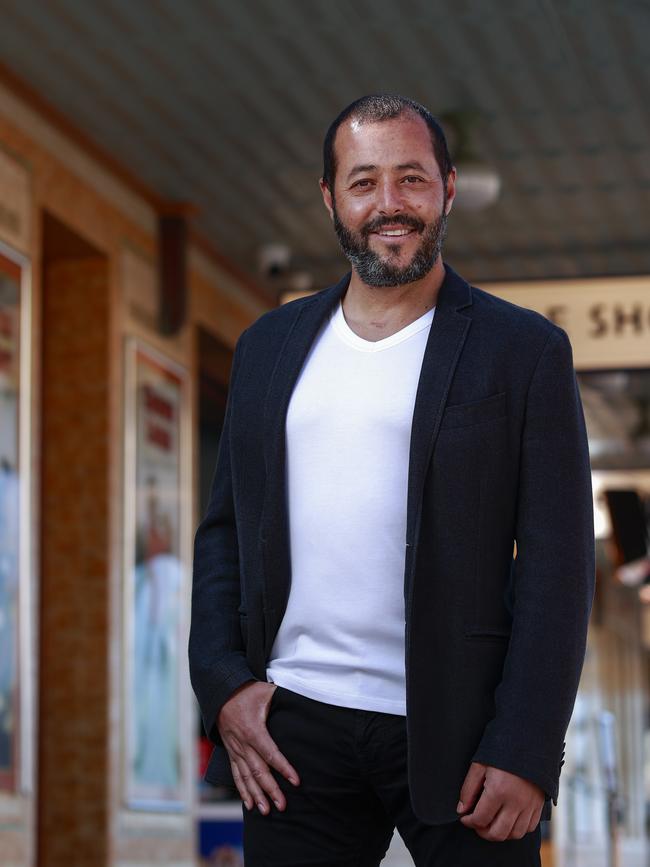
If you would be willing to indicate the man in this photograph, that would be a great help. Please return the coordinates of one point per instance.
(366, 650)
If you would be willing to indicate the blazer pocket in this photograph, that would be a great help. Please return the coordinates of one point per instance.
(475, 412)
(488, 634)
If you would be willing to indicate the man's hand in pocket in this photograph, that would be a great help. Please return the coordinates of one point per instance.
(251, 749)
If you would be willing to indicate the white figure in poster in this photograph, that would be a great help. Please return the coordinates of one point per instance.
(155, 685)
(8, 612)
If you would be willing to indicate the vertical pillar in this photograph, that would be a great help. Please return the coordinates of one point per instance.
(74, 630)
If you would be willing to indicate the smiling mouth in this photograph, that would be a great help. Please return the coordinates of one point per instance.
(393, 233)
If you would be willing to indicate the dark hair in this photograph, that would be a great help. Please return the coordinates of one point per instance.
(384, 106)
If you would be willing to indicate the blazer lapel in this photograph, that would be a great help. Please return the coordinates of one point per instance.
(444, 345)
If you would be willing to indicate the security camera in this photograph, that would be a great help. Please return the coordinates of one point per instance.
(274, 259)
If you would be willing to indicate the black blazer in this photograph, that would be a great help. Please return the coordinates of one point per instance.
(494, 644)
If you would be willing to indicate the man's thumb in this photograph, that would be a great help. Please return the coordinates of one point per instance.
(472, 786)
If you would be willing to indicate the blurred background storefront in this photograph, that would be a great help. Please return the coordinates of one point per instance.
(158, 192)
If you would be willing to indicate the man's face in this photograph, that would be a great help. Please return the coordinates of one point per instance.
(389, 205)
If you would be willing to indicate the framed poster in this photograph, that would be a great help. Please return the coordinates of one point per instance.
(155, 569)
(16, 688)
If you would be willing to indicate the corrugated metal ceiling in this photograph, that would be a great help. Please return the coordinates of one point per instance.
(225, 105)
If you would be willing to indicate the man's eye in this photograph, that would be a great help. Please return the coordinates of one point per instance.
(412, 179)
(364, 182)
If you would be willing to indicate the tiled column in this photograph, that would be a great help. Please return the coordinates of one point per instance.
(74, 629)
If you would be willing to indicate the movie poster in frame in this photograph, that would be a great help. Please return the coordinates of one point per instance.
(16, 689)
(155, 580)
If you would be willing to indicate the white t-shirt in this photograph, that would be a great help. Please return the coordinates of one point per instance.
(348, 431)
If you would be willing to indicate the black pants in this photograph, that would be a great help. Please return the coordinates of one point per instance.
(352, 795)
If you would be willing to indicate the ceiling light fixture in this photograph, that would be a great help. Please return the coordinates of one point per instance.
(478, 184)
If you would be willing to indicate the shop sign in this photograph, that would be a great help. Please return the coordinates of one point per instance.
(607, 319)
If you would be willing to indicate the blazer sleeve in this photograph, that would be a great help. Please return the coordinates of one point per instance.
(554, 578)
(216, 653)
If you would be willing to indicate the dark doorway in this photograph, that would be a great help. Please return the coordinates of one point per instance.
(215, 360)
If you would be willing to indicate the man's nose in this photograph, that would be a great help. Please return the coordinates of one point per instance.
(389, 198)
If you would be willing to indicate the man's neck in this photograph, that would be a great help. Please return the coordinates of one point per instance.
(374, 313)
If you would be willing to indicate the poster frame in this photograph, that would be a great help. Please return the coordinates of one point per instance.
(136, 348)
(26, 672)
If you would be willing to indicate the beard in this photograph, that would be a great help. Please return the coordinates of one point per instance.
(377, 271)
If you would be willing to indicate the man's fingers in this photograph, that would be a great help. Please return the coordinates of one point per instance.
(248, 770)
(252, 750)
(270, 752)
(471, 787)
(264, 752)
(499, 829)
(520, 828)
(241, 788)
(502, 825)
(262, 775)
(485, 811)
(508, 807)
(535, 820)
(250, 779)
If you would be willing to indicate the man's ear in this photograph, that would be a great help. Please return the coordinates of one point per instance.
(451, 188)
(327, 197)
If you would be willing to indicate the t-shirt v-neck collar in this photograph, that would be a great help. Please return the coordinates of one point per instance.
(350, 337)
